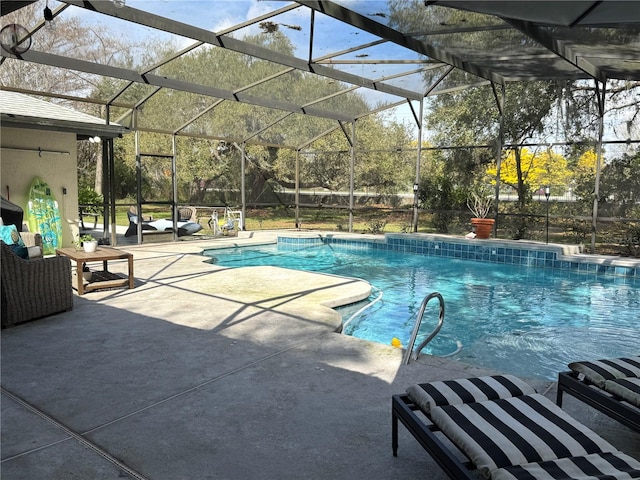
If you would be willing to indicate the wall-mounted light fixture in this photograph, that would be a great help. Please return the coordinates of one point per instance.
(48, 14)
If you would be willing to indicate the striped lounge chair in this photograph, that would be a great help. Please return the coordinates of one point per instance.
(611, 386)
(499, 428)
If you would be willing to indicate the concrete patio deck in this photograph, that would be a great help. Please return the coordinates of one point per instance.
(201, 372)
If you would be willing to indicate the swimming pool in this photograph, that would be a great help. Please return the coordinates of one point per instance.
(518, 319)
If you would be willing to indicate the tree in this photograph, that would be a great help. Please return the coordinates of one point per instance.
(537, 169)
(620, 185)
(92, 43)
(379, 166)
(533, 111)
(207, 166)
(444, 184)
(383, 168)
(470, 117)
(584, 180)
(68, 33)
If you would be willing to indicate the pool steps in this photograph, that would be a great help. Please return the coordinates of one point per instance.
(513, 252)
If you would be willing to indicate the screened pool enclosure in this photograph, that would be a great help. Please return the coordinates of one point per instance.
(318, 90)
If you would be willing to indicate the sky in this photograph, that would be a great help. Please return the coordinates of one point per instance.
(329, 35)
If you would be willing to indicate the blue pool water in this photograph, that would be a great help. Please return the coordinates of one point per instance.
(523, 320)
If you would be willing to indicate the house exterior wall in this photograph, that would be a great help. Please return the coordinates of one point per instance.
(19, 168)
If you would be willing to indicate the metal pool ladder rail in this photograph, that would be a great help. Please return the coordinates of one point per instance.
(413, 355)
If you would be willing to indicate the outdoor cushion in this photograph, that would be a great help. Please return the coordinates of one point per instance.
(184, 228)
(515, 431)
(9, 234)
(599, 466)
(188, 228)
(626, 388)
(599, 371)
(21, 251)
(467, 390)
(162, 225)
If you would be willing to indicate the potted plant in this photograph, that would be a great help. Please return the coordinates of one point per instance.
(89, 244)
(479, 203)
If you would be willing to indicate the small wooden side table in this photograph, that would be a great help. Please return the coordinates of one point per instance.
(101, 279)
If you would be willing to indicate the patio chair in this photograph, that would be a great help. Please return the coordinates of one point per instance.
(611, 386)
(33, 288)
(162, 225)
(498, 428)
(132, 215)
(87, 212)
(188, 221)
(187, 214)
(229, 225)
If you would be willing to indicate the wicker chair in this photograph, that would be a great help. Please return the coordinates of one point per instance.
(33, 288)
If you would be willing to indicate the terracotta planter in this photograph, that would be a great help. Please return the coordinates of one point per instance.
(482, 227)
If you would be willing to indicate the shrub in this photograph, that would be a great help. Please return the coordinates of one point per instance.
(631, 240)
(91, 199)
(377, 226)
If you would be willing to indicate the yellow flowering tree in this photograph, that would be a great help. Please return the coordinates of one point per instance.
(537, 169)
(586, 164)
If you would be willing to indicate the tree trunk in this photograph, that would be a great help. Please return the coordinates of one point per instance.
(522, 221)
(520, 188)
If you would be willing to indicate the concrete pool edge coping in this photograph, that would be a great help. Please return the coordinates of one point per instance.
(567, 257)
(573, 254)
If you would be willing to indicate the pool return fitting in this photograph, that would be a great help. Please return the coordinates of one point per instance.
(410, 354)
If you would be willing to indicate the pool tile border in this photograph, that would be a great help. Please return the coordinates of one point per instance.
(512, 252)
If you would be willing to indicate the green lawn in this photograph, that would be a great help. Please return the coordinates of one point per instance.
(386, 220)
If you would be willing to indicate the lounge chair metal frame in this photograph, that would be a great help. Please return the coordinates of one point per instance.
(594, 396)
(403, 409)
(498, 427)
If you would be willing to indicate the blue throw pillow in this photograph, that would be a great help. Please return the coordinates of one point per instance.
(20, 250)
(9, 234)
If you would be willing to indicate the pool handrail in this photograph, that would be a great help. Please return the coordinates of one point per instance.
(410, 354)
